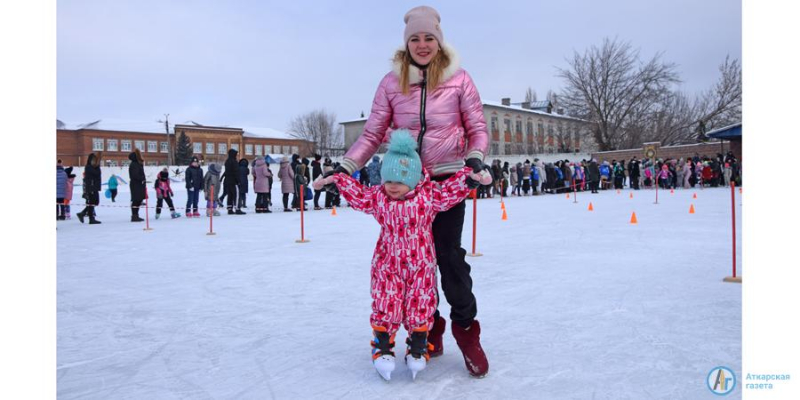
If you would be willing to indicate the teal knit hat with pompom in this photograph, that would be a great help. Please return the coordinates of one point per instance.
(401, 162)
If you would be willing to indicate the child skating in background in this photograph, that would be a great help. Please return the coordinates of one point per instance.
(211, 185)
(69, 188)
(164, 193)
(404, 262)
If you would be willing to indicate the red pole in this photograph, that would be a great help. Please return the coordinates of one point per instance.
(147, 211)
(574, 191)
(211, 216)
(474, 222)
(302, 220)
(657, 188)
(733, 224)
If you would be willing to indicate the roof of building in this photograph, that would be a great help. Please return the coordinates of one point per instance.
(537, 112)
(540, 104)
(354, 120)
(119, 125)
(728, 132)
(158, 128)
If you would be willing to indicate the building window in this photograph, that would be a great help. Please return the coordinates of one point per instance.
(112, 163)
(248, 149)
(507, 123)
(494, 124)
(258, 150)
(152, 146)
(126, 163)
(284, 149)
(126, 145)
(507, 148)
(294, 149)
(222, 148)
(209, 148)
(518, 126)
(235, 146)
(495, 148)
(197, 148)
(112, 145)
(269, 149)
(164, 147)
(139, 144)
(97, 144)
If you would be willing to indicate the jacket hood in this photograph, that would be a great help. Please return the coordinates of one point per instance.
(414, 73)
(213, 168)
(68, 170)
(92, 160)
(232, 153)
(260, 161)
(243, 163)
(376, 158)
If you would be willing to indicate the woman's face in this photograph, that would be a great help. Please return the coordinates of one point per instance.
(423, 47)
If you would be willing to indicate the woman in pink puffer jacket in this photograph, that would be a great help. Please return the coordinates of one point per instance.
(429, 94)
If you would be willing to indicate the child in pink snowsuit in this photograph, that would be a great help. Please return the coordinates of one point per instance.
(404, 262)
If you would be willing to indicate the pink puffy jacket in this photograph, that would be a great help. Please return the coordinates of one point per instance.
(455, 125)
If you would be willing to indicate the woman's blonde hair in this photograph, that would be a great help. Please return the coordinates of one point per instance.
(435, 69)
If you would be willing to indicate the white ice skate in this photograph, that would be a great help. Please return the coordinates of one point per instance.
(415, 365)
(417, 352)
(382, 354)
(385, 366)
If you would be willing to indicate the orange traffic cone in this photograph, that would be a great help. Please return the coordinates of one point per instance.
(631, 196)
(694, 196)
(505, 216)
(502, 206)
(333, 212)
(590, 206)
(691, 209)
(633, 218)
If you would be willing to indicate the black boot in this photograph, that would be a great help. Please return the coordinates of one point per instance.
(93, 221)
(135, 215)
(81, 215)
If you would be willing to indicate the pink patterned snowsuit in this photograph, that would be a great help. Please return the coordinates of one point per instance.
(404, 262)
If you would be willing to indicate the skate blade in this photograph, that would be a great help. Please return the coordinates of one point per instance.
(415, 365)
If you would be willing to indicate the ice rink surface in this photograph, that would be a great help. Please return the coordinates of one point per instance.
(573, 304)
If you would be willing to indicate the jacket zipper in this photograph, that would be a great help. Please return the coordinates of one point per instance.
(423, 98)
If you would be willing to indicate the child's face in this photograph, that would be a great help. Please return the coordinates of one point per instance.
(396, 190)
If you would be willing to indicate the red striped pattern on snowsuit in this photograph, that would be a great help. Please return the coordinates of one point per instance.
(403, 280)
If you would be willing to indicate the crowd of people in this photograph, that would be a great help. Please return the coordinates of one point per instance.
(232, 184)
(537, 177)
(217, 184)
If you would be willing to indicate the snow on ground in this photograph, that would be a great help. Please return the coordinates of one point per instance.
(573, 304)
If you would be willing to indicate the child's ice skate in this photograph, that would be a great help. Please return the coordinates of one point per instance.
(158, 215)
(418, 350)
(382, 354)
(175, 215)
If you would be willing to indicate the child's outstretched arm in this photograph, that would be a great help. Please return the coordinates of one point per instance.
(453, 190)
(359, 197)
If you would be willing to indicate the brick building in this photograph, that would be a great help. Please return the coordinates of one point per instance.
(517, 129)
(727, 139)
(114, 140)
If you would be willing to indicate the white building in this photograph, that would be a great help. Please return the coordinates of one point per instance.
(517, 129)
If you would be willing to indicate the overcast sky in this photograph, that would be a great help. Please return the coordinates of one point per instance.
(261, 63)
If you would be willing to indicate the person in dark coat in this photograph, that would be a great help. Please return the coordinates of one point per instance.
(300, 183)
(138, 183)
(244, 184)
(194, 184)
(316, 172)
(593, 175)
(634, 173)
(91, 188)
(231, 176)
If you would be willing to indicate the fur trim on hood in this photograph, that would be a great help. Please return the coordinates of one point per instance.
(415, 75)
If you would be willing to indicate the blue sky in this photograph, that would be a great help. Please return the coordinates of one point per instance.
(261, 63)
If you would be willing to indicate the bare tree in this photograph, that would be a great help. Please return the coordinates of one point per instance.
(610, 86)
(530, 95)
(319, 128)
